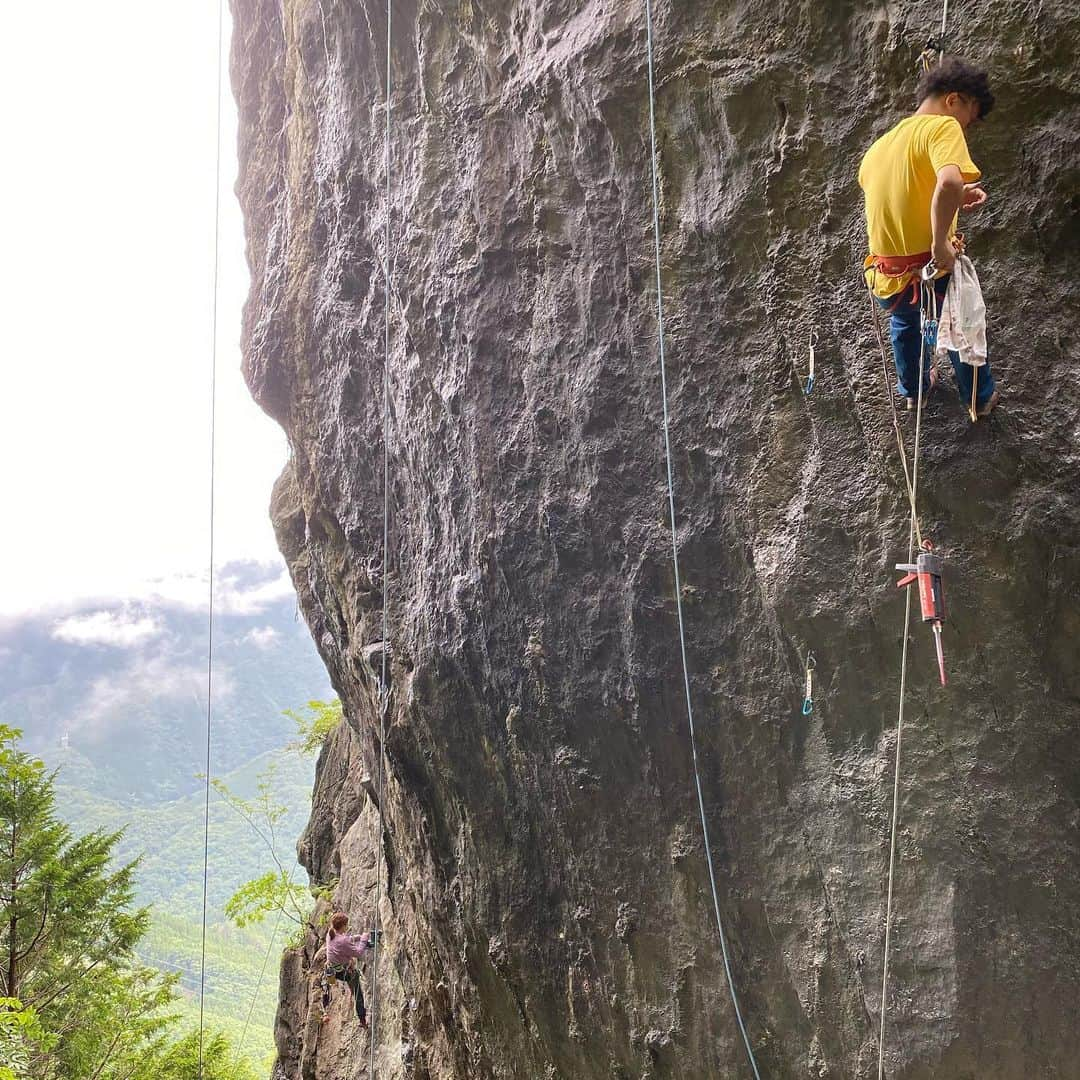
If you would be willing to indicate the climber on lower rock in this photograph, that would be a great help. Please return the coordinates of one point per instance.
(915, 179)
(343, 952)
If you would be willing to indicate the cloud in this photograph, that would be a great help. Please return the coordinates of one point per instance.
(107, 628)
(239, 589)
(146, 681)
(234, 597)
(263, 637)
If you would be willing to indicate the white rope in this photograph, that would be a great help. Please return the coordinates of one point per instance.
(262, 972)
(213, 463)
(384, 693)
(929, 296)
(892, 404)
(892, 832)
(675, 545)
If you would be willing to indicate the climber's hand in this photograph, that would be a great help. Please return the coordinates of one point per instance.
(944, 257)
(974, 196)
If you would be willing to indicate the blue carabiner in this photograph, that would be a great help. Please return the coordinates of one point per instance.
(930, 333)
(809, 385)
(807, 706)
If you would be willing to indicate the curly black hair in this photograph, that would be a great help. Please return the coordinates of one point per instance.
(956, 76)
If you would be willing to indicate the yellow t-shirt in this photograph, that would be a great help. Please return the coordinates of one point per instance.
(898, 175)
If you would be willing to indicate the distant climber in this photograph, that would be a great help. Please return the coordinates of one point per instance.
(915, 179)
(343, 952)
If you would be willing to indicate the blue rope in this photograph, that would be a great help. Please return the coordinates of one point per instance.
(675, 546)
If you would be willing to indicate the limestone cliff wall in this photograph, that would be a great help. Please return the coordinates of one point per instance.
(546, 905)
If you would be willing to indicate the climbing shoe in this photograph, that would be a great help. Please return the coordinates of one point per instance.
(987, 408)
(912, 402)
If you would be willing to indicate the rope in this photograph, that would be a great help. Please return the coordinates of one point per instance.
(892, 405)
(892, 831)
(926, 57)
(213, 462)
(675, 545)
(262, 973)
(928, 297)
(384, 693)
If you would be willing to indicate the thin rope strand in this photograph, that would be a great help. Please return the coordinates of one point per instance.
(912, 534)
(213, 463)
(384, 692)
(892, 831)
(892, 404)
(262, 974)
(675, 545)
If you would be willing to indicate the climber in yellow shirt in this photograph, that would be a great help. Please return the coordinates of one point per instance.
(915, 180)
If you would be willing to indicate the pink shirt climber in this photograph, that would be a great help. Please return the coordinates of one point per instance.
(341, 949)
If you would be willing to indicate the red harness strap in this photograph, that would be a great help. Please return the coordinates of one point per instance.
(899, 266)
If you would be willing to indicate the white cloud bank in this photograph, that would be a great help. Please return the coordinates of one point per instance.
(104, 411)
(263, 637)
(146, 681)
(107, 628)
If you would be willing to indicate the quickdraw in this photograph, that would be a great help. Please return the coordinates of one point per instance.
(928, 571)
(929, 312)
(810, 376)
(808, 697)
(931, 54)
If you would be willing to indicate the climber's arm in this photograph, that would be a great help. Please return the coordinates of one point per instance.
(948, 197)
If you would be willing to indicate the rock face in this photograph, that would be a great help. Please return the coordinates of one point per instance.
(545, 899)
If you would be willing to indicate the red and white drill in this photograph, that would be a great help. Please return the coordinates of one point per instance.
(928, 571)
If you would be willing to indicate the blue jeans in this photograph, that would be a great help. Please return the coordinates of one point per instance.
(907, 343)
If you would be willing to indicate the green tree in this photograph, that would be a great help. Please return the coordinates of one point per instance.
(180, 1061)
(314, 723)
(78, 1004)
(21, 1035)
(274, 890)
(66, 910)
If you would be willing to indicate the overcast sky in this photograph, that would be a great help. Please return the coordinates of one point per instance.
(106, 284)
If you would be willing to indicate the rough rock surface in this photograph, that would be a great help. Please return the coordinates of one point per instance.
(546, 904)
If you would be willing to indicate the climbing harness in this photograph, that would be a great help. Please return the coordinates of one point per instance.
(674, 539)
(927, 571)
(808, 696)
(810, 374)
(213, 473)
(900, 266)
